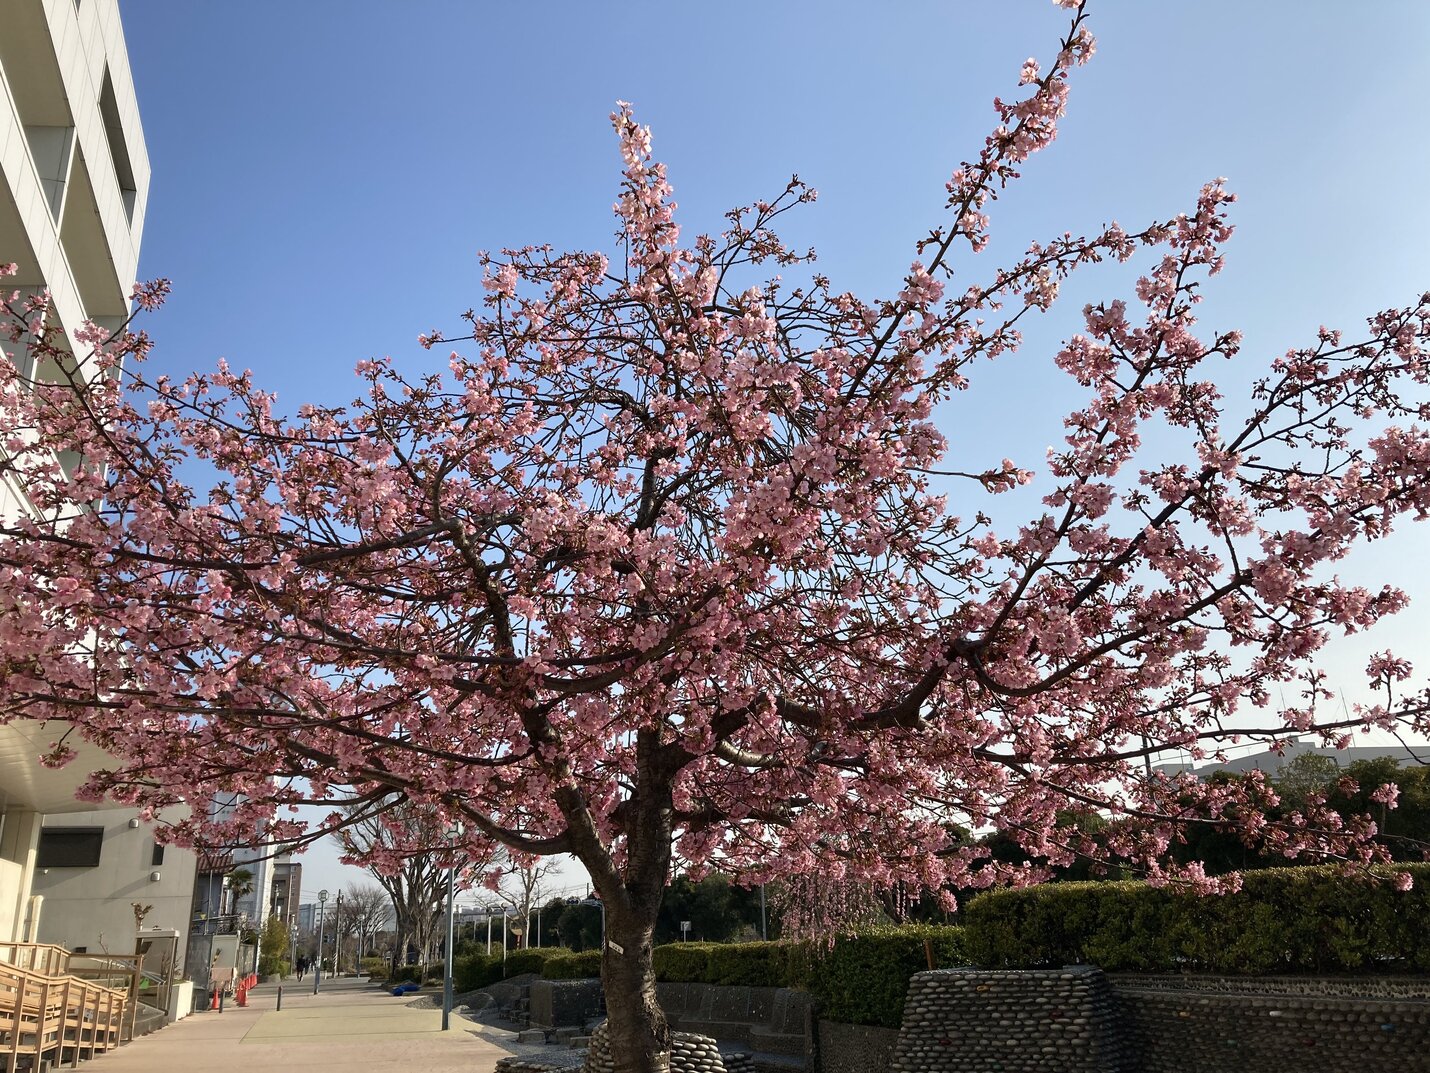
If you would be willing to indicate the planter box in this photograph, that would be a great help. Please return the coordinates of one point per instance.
(181, 1000)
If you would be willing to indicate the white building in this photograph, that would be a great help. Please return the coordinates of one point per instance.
(74, 182)
(93, 868)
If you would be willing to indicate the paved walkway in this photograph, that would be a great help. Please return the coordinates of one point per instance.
(350, 1026)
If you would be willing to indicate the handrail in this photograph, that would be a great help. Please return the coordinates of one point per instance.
(126, 967)
(50, 959)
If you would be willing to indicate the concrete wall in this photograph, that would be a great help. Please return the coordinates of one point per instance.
(561, 1003)
(769, 1019)
(20, 830)
(93, 907)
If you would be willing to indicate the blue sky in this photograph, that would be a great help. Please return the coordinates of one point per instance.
(325, 172)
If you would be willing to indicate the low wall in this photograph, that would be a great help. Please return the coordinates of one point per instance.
(768, 1020)
(1225, 1025)
(1080, 1021)
(771, 1019)
(563, 1003)
(1030, 1021)
(856, 1048)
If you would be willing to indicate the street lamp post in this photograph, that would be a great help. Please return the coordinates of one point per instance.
(318, 972)
(454, 834)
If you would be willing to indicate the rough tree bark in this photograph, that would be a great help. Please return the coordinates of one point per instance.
(639, 1032)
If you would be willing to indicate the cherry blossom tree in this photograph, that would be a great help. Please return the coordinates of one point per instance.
(667, 563)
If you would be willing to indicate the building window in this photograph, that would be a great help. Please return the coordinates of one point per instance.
(118, 151)
(69, 847)
(157, 858)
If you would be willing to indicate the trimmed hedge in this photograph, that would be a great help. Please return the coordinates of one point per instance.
(475, 971)
(682, 963)
(572, 966)
(758, 964)
(529, 959)
(863, 979)
(748, 964)
(1283, 920)
(478, 970)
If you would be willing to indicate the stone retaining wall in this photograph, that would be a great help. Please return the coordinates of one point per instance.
(1205, 1030)
(1076, 1019)
(855, 1048)
(1030, 1021)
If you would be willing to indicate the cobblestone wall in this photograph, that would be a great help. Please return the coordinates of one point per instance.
(689, 1053)
(1079, 1021)
(1201, 1030)
(1030, 1021)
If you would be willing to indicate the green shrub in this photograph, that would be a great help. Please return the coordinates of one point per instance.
(528, 960)
(374, 967)
(754, 965)
(863, 979)
(474, 971)
(1283, 920)
(571, 966)
(681, 963)
(407, 974)
(274, 959)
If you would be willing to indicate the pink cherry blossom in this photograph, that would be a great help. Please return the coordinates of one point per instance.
(672, 565)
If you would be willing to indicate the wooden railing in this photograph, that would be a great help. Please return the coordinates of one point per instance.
(43, 1015)
(116, 972)
(48, 959)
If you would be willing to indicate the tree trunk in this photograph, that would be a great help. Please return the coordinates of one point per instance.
(636, 1027)
(399, 946)
(638, 1031)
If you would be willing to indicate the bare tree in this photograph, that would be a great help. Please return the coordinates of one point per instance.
(414, 879)
(368, 908)
(524, 888)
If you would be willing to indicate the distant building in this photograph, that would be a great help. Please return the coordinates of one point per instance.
(307, 918)
(287, 890)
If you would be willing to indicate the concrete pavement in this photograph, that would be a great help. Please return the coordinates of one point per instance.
(349, 1026)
